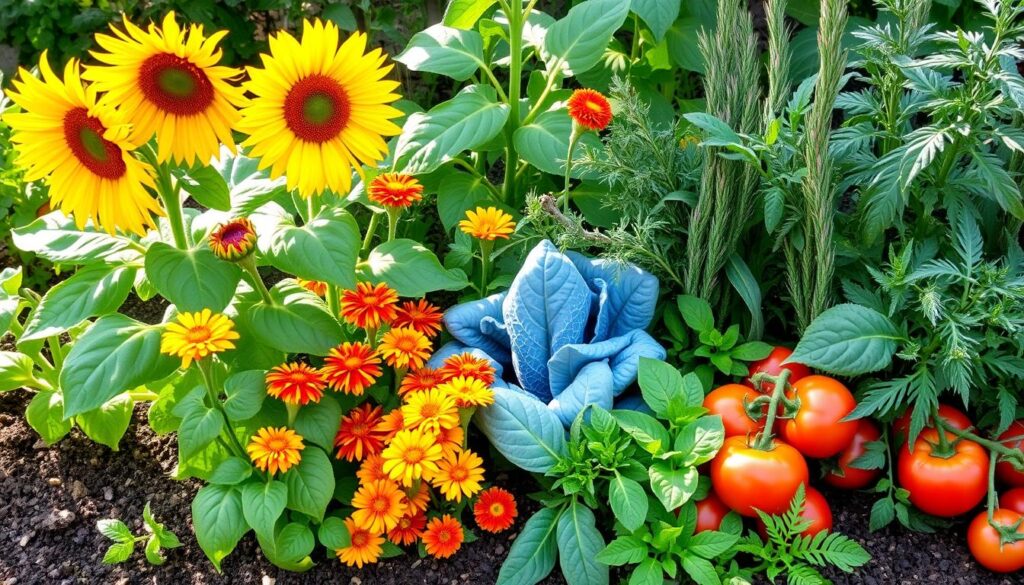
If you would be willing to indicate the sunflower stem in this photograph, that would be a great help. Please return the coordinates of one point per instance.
(56, 352)
(486, 246)
(333, 300)
(515, 81)
(172, 204)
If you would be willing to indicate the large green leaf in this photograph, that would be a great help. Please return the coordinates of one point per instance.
(470, 119)
(200, 427)
(193, 279)
(457, 193)
(318, 423)
(464, 13)
(115, 355)
(56, 238)
(108, 423)
(311, 483)
(579, 543)
(544, 143)
(289, 549)
(218, 520)
(628, 501)
(15, 370)
(674, 487)
(658, 15)
(444, 50)
(324, 249)
(207, 186)
(249, 187)
(244, 393)
(297, 322)
(659, 383)
(45, 414)
(262, 504)
(410, 269)
(532, 555)
(579, 39)
(848, 340)
(523, 429)
(94, 290)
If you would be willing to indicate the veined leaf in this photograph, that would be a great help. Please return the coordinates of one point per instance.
(848, 340)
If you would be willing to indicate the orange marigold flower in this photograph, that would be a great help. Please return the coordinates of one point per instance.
(590, 109)
(378, 506)
(314, 286)
(364, 546)
(409, 529)
(295, 383)
(468, 365)
(421, 316)
(443, 537)
(487, 224)
(419, 380)
(395, 190)
(390, 424)
(358, 436)
(468, 392)
(420, 501)
(430, 411)
(275, 449)
(411, 455)
(404, 347)
(451, 440)
(372, 469)
(233, 240)
(351, 367)
(459, 475)
(495, 510)
(369, 305)
(193, 336)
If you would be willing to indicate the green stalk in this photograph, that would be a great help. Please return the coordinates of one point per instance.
(486, 247)
(56, 351)
(232, 441)
(764, 443)
(172, 205)
(248, 264)
(370, 231)
(574, 137)
(515, 41)
(393, 214)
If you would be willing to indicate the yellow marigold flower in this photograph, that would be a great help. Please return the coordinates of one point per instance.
(372, 469)
(396, 190)
(319, 108)
(412, 454)
(390, 424)
(295, 383)
(197, 335)
(404, 347)
(168, 81)
(459, 475)
(430, 411)
(275, 449)
(378, 506)
(468, 392)
(487, 224)
(364, 546)
(233, 240)
(83, 149)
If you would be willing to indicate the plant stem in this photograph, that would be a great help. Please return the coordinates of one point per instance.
(944, 448)
(486, 246)
(333, 300)
(574, 137)
(293, 413)
(248, 264)
(172, 204)
(393, 215)
(515, 81)
(56, 351)
(214, 396)
(370, 231)
(781, 382)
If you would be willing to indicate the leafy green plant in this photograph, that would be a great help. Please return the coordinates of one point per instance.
(156, 537)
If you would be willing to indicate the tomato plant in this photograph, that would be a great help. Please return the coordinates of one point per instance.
(710, 513)
(818, 429)
(773, 366)
(986, 546)
(729, 402)
(846, 475)
(816, 511)
(950, 415)
(944, 479)
(746, 477)
(1012, 437)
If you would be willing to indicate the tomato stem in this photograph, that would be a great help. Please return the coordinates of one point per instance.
(943, 449)
(764, 442)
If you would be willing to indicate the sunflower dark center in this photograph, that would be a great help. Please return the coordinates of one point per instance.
(176, 85)
(84, 136)
(317, 108)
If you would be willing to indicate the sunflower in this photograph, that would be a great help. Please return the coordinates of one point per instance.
(430, 411)
(443, 537)
(589, 109)
(378, 506)
(295, 383)
(409, 529)
(420, 501)
(394, 190)
(411, 455)
(314, 286)
(495, 510)
(421, 316)
(319, 109)
(450, 439)
(351, 367)
(459, 475)
(404, 347)
(372, 469)
(468, 392)
(364, 546)
(358, 437)
(233, 240)
(83, 148)
(487, 224)
(468, 365)
(169, 83)
(390, 424)
(197, 335)
(369, 305)
(275, 449)
(419, 380)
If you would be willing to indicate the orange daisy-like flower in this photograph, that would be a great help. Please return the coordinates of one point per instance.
(314, 286)
(371, 470)
(420, 501)
(193, 336)
(468, 392)
(590, 109)
(443, 537)
(273, 449)
(404, 347)
(358, 436)
(394, 190)
(459, 475)
(430, 410)
(369, 305)
(487, 224)
(495, 510)
(364, 546)
(419, 380)
(295, 383)
(390, 424)
(451, 440)
(351, 367)
(421, 316)
(378, 506)
(233, 240)
(409, 530)
(468, 365)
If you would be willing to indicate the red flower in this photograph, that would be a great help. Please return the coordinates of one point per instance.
(421, 316)
(469, 366)
(590, 109)
(419, 380)
(409, 529)
(295, 383)
(358, 436)
(369, 305)
(351, 367)
(443, 537)
(495, 510)
(394, 190)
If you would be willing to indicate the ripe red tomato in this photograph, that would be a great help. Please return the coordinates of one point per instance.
(983, 540)
(950, 415)
(746, 478)
(816, 430)
(1006, 473)
(852, 477)
(773, 366)
(710, 512)
(727, 401)
(944, 487)
(1013, 500)
(816, 509)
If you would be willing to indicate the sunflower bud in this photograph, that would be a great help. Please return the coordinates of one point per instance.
(233, 240)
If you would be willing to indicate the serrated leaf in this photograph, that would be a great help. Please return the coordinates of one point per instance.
(119, 552)
(115, 530)
(624, 550)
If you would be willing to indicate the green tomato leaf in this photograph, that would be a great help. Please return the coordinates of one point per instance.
(848, 340)
(193, 279)
(94, 290)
